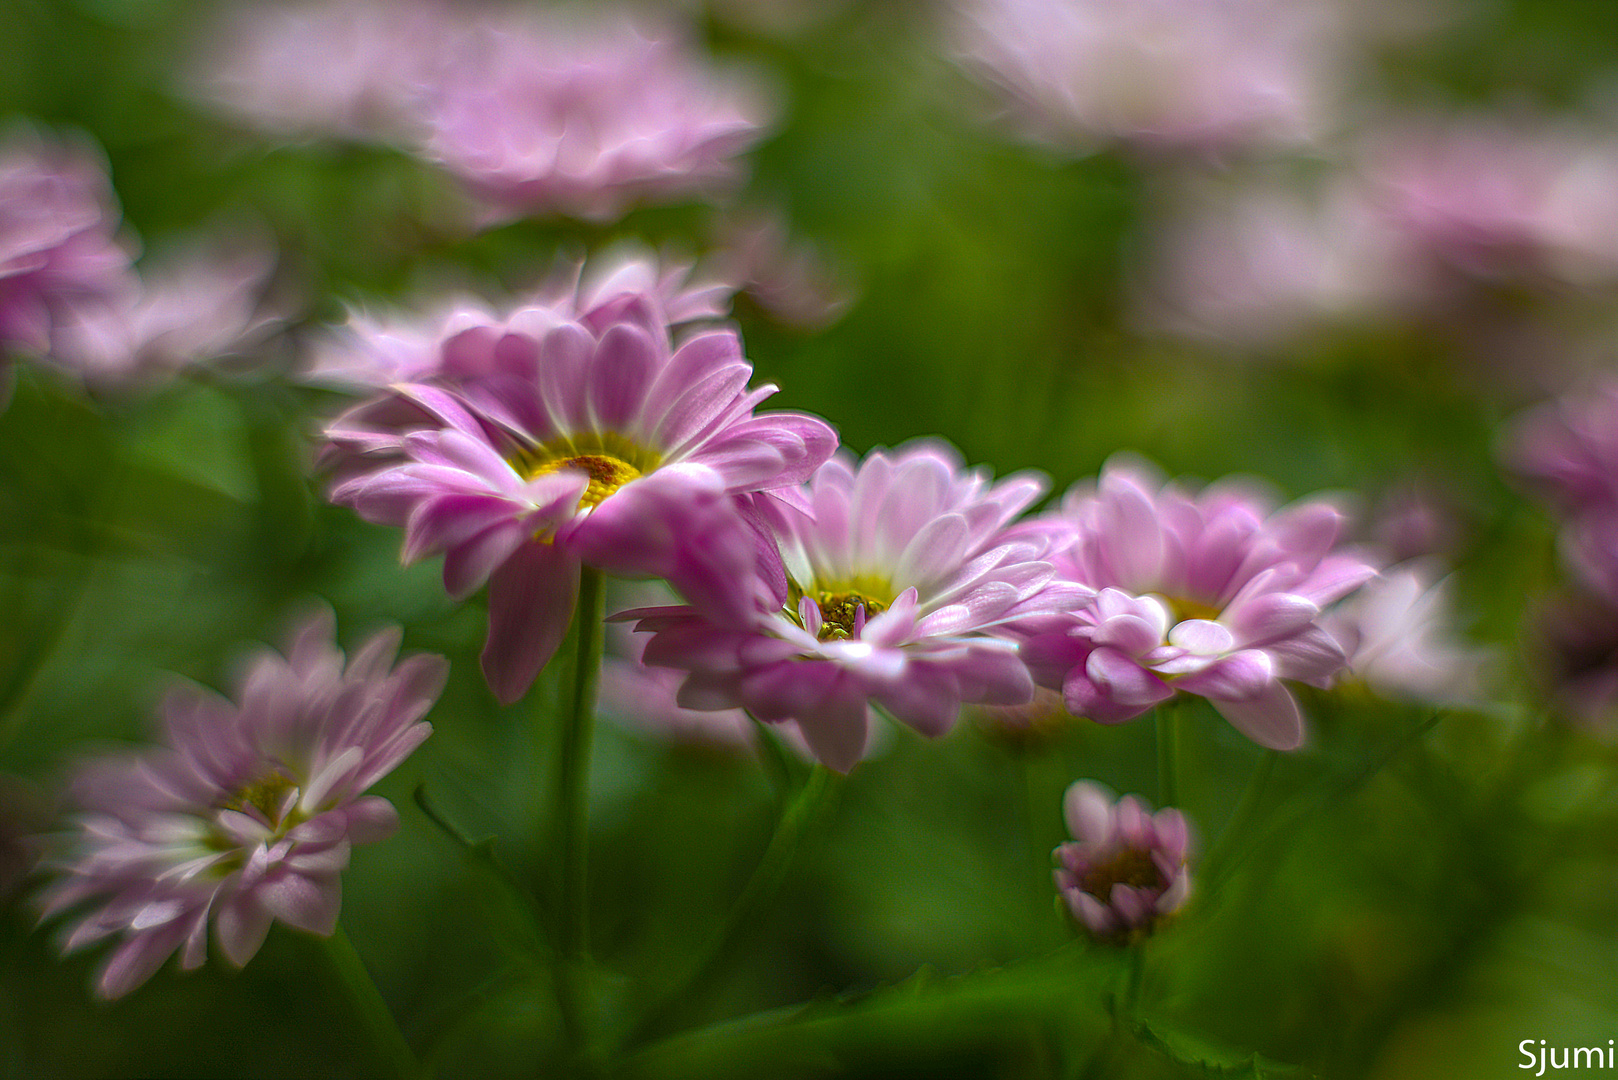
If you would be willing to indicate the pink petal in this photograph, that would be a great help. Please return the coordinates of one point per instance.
(531, 598)
(1271, 719)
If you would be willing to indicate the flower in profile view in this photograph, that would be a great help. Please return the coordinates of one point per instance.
(58, 243)
(1124, 872)
(548, 116)
(248, 812)
(897, 576)
(1208, 594)
(557, 438)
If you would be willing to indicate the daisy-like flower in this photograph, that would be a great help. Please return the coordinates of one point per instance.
(1209, 594)
(557, 437)
(1125, 871)
(58, 244)
(897, 576)
(586, 120)
(248, 813)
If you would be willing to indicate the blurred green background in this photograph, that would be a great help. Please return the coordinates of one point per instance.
(1410, 902)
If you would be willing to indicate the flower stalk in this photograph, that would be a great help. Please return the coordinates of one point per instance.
(572, 809)
(388, 1042)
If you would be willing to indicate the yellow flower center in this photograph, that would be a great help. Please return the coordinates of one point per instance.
(265, 795)
(1182, 609)
(840, 603)
(609, 459)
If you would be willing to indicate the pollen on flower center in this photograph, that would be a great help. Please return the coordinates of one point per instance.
(1132, 867)
(610, 460)
(607, 475)
(839, 613)
(267, 795)
(1183, 609)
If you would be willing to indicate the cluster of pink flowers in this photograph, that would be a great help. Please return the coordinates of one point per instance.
(248, 813)
(546, 114)
(70, 293)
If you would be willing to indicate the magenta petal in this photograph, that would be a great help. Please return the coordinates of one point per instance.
(836, 729)
(137, 959)
(929, 702)
(1121, 680)
(306, 903)
(240, 927)
(531, 598)
(1238, 677)
(1270, 616)
(624, 364)
(1270, 719)
(468, 565)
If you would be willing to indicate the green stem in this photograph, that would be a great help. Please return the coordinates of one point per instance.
(572, 808)
(391, 1049)
(1168, 778)
(760, 891)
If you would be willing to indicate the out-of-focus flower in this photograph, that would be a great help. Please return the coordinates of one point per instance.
(1427, 219)
(354, 69)
(1572, 652)
(248, 813)
(788, 279)
(1397, 631)
(1569, 449)
(1264, 262)
(1210, 594)
(1181, 73)
(555, 438)
(202, 304)
(896, 578)
(1125, 871)
(552, 116)
(58, 248)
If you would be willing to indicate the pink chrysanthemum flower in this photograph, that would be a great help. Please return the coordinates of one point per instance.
(1398, 633)
(551, 116)
(895, 584)
(555, 438)
(1209, 594)
(1125, 871)
(58, 245)
(1182, 73)
(248, 813)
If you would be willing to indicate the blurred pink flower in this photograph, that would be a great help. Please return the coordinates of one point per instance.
(58, 244)
(789, 279)
(897, 574)
(554, 438)
(354, 69)
(1125, 871)
(1208, 593)
(1568, 449)
(202, 303)
(1196, 74)
(1398, 632)
(247, 814)
(585, 119)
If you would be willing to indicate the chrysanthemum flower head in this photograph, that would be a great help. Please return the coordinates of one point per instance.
(248, 812)
(1125, 871)
(898, 572)
(557, 437)
(58, 243)
(557, 116)
(1208, 593)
